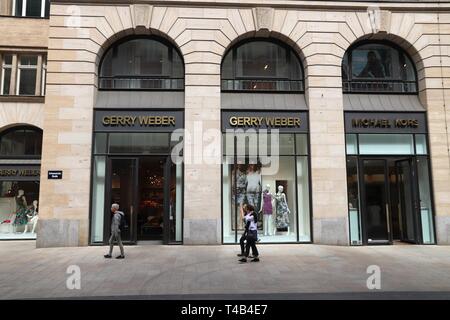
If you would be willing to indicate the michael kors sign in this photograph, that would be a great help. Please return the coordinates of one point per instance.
(358, 122)
(283, 121)
(135, 121)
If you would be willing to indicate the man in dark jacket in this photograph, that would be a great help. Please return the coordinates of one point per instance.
(115, 231)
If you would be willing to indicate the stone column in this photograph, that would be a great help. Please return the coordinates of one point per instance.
(327, 138)
(202, 179)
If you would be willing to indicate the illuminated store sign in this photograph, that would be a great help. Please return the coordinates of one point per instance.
(136, 121)
(283, 121)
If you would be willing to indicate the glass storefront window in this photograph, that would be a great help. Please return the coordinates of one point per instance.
(98, 196)
(139, 143)
(386, 144)
(280, 193)
(19, 209)
(21, 142)
(352, 144)
(353, 202)
(426, 213)
(100, 143)
(421, 144)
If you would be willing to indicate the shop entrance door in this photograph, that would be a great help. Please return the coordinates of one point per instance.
(408, 204)
(142, 188)
(375, 201)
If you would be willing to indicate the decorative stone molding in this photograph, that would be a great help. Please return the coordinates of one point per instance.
(379, 20)
(141, 15)
(263, 18)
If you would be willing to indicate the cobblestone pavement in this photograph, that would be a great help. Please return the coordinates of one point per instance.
(201, 271)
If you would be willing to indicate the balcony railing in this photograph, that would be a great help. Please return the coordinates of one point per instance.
(140, 83)
(262, 85)
(379, 86)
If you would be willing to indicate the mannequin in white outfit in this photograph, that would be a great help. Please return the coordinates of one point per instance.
(33, 217)
(267, 210)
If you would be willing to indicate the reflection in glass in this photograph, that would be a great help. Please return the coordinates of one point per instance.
(139, 143)
(376, 67)
(98, 196)
(352, 143)
(426, 212)
(353, 203)
(386, 144)
(421, 144)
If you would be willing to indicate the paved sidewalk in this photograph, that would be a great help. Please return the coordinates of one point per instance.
(297, 271)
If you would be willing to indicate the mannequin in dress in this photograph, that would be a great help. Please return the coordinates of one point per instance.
(282, 208)
(33, 216)
(21, 212)
(267, 210)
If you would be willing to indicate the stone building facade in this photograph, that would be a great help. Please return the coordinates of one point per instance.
(78, 34)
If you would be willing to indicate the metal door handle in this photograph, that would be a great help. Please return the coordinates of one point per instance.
(388, 219)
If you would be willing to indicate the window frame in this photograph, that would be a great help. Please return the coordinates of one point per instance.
(45, 5)
(349, 55)
(16, 67)
(20, 68)
(289, 53)
(172, 49)
(6, 66)
(22, 128)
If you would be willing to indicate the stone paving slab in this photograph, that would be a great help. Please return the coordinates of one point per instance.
(300, 271)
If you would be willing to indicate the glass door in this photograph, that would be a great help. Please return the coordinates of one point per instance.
(375, 201)
(122, 186)
(408, 205)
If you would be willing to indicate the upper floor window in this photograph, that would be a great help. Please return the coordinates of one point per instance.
(378, 68)
(262, 65)
(142, 64)
(21, 142)
(23, 74)
(31, 8)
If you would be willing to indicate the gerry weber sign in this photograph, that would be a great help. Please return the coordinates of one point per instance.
(374, 122)
(138, 121)
(283, 121)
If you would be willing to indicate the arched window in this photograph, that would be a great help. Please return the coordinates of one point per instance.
(144, 63)
(378, 67)
(21, 142)
(262, 65)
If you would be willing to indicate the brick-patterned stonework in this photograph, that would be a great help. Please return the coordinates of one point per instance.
(203, 34)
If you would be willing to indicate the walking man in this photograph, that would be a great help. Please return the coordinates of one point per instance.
(115, 231)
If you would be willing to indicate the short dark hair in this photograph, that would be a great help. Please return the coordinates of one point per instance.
(250, 208)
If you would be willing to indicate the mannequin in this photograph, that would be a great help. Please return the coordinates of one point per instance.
(282, 210)
(267, 210)
(253, 187)
(33, 215)
(21, 212)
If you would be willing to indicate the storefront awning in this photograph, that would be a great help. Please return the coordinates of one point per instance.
(382, 102)
(263, 101)
(140, 99)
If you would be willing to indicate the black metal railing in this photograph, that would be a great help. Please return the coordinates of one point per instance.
(262, 85)
(379, 86)
(140, 83)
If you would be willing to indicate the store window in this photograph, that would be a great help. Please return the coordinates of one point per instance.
(262, 65)
(142, 64)
(388, 178)
(20, 152)
(23, 74)
(31, 8)
(378, 67)
(269, 170)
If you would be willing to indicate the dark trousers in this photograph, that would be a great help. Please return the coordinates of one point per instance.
(242, 241)
(251, 243)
